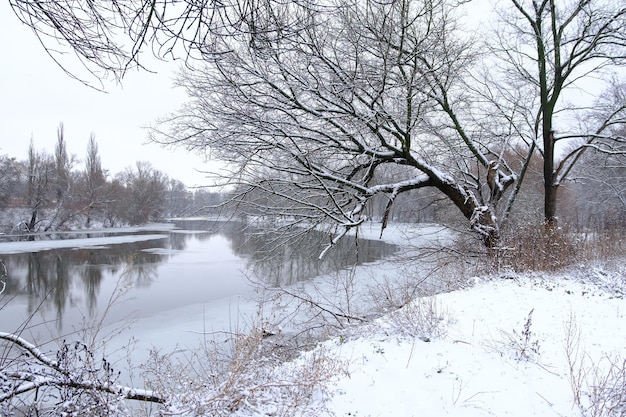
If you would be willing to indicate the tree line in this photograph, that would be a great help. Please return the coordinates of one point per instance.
(50, 192)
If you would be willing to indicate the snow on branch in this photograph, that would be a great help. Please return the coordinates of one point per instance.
(74, 369)
(345, 228)
(3, 277)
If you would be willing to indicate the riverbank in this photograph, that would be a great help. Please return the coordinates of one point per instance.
(511, 345)
(506, 344)
(389, 338)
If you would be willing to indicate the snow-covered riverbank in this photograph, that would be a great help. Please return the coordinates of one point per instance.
(545, 344)
(501, 345)
(503, 352)
(505, 344)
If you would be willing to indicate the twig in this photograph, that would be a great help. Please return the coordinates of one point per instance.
(32, 380)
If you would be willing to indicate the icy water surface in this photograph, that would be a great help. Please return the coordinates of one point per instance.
(56, 286)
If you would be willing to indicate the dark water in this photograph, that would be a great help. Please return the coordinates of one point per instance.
(54, 291)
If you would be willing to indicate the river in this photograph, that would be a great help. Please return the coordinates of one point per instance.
(157, 283)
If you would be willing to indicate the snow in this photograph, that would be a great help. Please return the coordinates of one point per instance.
(475, 370)
(92, 242)
(500, 346)
(497, 346)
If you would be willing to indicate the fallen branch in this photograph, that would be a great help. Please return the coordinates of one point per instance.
(57, 374)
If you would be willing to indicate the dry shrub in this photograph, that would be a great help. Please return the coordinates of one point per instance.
(604, 244)
(522, 345)
(250, 376)
(599, 387)
(606, 388)
(533, 248)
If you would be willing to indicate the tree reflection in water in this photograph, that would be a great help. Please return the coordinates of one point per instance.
(282, 260)
(61, 278)
(52, 282)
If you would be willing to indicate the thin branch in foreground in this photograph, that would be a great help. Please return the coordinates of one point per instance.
(57, 374)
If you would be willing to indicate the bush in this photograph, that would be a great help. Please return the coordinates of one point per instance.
(532, 248)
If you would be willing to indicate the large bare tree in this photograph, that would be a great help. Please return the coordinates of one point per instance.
(557, 67)
(311, 120)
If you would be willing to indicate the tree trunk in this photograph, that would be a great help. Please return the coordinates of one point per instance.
(550, 187)
(33, 220)
(481, 217)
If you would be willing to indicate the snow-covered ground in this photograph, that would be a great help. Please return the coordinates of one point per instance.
(485, 363)
(505, 345)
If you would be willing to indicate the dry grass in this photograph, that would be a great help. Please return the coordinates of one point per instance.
(248, 374)
(598, 386)
(522, 345)
(529, 247)
(423, 318)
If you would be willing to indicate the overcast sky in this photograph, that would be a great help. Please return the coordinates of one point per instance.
(36, 96)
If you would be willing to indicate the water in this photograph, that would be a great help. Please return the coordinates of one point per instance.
(160, 276)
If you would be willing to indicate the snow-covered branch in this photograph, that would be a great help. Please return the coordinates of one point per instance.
(3, 277)
(30, 369)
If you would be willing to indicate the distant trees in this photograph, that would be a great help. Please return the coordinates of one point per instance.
(40, 169)
(92, 180)
(600, 188)
(177, 199)
(46, 192)
(9, 172)
(144, 193)
(63, 185)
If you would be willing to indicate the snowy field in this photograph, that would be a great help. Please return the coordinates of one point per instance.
(484, 363)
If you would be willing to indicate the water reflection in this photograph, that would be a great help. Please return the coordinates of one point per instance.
(65, 284)
(283, 262)
(56, 280)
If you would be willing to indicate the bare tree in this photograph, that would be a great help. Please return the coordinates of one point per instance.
(144, 194)
(62, 184)
(600, 184)
(94, 178)
(178, 200)
(546, 54)
(62, 165)
(9, 172)
(312, 121)
(39, 175)
(312, 101)
(108, 36)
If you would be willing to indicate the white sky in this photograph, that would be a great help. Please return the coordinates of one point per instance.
(36, 96)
